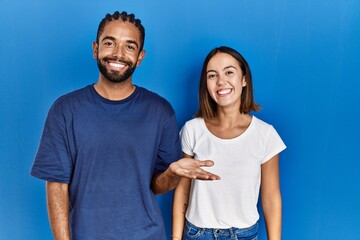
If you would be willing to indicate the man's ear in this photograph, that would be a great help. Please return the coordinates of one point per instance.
(95, 48)
(140, 58)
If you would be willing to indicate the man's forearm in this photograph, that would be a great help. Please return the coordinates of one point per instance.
(164, 182)
(58, 209)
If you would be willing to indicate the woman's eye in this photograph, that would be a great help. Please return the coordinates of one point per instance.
(211, 76)
(229, 73)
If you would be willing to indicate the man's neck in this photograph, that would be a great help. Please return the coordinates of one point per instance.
(114, 91)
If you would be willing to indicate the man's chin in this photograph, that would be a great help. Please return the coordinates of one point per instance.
(115, 77)
(117, 80)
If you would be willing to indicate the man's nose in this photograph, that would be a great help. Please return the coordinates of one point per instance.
(119, 51)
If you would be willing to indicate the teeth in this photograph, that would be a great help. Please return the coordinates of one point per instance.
(224, 91)
(117, 65)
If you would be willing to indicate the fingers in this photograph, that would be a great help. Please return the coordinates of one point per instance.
(205, 163)
(191, 168)
(201, 175)
(207, 176)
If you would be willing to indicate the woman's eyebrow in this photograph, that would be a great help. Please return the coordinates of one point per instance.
(229, 67)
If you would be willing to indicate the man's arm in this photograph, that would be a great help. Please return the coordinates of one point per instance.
(58, 209)
(185, 167)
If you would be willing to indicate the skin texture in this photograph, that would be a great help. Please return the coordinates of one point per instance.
(271, 198)
(58, 209)
(117, 51)
(180, 203)
(224, 83)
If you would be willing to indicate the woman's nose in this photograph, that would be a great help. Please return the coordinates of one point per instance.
(220, 81)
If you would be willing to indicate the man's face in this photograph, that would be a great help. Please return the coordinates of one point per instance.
(118, 51)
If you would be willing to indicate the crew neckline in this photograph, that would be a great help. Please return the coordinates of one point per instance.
(113, 102)
(242, 135)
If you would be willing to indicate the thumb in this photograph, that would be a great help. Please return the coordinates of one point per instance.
(206, 163)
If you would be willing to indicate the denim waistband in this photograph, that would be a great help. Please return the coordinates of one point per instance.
(224, 231)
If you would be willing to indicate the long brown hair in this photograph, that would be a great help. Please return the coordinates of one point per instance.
(208, 106)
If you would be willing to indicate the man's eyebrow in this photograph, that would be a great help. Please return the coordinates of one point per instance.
(113, 39)
(133, 42)
(108, 38)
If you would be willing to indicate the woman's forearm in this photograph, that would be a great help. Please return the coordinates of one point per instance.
(180, 203)
(271, 197)
(273, 217)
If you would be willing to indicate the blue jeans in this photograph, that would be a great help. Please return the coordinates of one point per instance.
(192, 232)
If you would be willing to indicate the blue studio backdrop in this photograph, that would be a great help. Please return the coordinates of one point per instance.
(304, 56)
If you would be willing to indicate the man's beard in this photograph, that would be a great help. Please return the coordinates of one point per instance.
(115, 76)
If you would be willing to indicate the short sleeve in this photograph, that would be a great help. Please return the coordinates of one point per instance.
(52, 161)
(186, 143)
(169, 148)
(274, 144)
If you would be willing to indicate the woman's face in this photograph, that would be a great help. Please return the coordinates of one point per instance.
(225, 80)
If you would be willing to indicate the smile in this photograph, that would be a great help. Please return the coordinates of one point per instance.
(224, 91)
(117, 65)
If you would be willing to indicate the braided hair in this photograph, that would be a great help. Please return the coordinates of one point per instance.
(125, 17)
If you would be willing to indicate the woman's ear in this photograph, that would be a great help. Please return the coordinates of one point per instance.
(243, 81)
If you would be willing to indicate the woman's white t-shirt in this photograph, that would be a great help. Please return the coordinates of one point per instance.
(231, 201)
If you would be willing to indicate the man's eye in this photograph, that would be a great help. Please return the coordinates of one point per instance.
(130, 47)
(108, 44)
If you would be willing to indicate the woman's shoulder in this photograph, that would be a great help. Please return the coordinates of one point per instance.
(260, 122)
(261, 125)
(194, 122)
(193, 125)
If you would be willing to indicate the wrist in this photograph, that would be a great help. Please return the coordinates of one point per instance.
(171, 171)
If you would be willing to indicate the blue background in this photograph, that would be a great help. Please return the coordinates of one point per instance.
(304, 56)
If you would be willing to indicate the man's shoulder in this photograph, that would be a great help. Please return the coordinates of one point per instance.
(150, 94)
(155, 102)
(74, 98)
(78, 93)
(74, 95)
(153, 97)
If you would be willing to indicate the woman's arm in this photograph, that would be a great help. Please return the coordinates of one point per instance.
(271, 197)
(180, 203)
(58, 209)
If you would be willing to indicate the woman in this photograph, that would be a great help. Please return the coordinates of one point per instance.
(245, 151)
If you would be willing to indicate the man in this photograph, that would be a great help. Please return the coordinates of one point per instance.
(108, 148)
